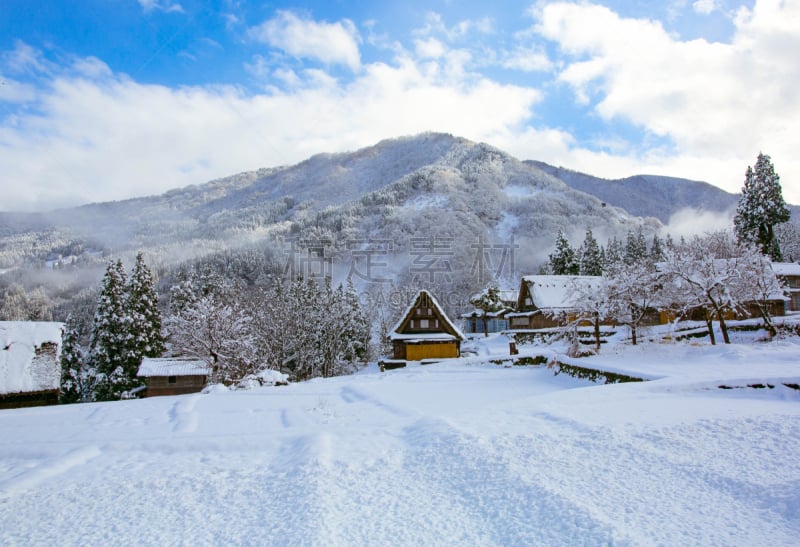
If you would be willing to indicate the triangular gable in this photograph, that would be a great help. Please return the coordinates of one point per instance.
(426, 300)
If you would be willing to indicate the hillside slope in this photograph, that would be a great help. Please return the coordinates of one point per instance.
(423, 186)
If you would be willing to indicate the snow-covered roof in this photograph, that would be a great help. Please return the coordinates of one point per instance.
(173, 367)
(558, 291)
(479, 313)
(431, 336)
(449, 325)
(505, 296)
(786, 268)
(20, 369)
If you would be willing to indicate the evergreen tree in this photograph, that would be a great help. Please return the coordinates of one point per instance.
(613, 253)
(488, 300)
(357, 326)
(76, 380)
(142, 304)
(111, 341)
(657, 249)
(563, 260)
(635, 247)
(183, 294)
(761, 208)
(591, 259)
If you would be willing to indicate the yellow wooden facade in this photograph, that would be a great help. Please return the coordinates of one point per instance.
(431, 350)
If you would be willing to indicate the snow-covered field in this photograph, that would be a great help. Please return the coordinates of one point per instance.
(456, 453)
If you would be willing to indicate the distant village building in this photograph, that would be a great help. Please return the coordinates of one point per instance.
(30, 373)
(496, 321)
(542, 298)
(789, 273)
(425, 332)
(173, 376)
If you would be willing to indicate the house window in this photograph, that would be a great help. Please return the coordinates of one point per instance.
(423, 323)
(172, 379)
(519, 321)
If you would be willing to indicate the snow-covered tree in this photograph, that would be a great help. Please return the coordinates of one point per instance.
(788, 235)
(697, 279)
(77, 381)
(656, 249)
(216, 328)
(17, 304)
(142, 305)
(633, 292)
(761, 207)
(590, 306)
(757, 285)
(635, 247)
(614, 253)
(488, 300)
(270, 326)
(111, 352)
(563, 260)
(591, 258)
(344, 336)
(357, 325)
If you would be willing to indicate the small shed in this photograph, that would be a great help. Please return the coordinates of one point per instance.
(30, 373)
(173, 375)
(425, 332)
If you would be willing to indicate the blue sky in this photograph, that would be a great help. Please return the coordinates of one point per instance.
(108, 99)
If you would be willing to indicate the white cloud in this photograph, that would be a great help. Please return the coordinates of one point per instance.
(25, 59)
(704, 7)
(108, 137)
(719, 103)
(529, 59)
(429, 48)
(333, 43)
(435, 25)
(13, 91)
(161, 5)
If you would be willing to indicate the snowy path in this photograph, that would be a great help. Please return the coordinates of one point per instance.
(444, 454)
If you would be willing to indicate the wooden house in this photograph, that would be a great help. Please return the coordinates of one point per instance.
(425, 332)
(543, 298)
(30, 373)
(789, 273)
(173, 376)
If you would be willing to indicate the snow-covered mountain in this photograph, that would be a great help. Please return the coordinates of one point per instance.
(421, 186)
(461, 199)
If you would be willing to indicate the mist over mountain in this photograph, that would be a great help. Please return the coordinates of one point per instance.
(426, 184)
(651, 195)
(432, 208)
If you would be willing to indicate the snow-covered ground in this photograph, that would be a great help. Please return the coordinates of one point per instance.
(456, 453)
